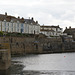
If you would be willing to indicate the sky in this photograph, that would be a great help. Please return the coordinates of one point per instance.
(47, 12)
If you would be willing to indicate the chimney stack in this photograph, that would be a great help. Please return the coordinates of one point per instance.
(32, 18)
(18, 17)
(36, 22)
(70, 27)
(5, 13)
(22, 18)
(66, 27)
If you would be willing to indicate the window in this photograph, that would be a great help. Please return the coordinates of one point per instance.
(18, 29)
(26, 28)
(8, 24)
(17, 25)
(22, 25)
(22, 30)
(5, 28)
(12, 27)
(8, 29)
(5, 24)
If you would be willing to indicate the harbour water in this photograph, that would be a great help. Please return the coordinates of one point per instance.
(43, 64)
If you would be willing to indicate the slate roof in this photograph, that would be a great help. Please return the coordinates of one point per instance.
(69, 31)
(8, 18)
(50, 26)
(29, 21)
(47, 30)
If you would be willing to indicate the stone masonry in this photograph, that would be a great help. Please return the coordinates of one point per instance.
(23, 45)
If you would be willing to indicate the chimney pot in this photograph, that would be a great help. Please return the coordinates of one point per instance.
(70, 27)
(6, 13)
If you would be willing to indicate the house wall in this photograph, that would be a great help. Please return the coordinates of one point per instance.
(19, 27)
(0, 25)
(51, 31)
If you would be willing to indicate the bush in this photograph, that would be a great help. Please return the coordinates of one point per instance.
(1, 33)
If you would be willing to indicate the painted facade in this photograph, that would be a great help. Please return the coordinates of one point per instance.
(19, 25)
(51, 30)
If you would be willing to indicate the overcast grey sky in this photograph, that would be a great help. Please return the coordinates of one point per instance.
(47, 12)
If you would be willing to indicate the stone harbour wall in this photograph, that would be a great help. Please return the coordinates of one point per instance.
(5, 56)
(22, 45)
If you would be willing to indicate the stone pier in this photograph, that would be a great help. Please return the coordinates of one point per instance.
(5, 56)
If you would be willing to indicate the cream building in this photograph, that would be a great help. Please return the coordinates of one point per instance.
(19, 25)
(51, 30)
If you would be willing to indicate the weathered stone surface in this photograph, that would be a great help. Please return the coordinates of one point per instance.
(22, 45)
(5, 56)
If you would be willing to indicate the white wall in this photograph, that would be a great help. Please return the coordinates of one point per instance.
(0, 25)
(16, 27)
(57, 31)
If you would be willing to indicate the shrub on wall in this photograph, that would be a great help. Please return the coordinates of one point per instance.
(1, 33)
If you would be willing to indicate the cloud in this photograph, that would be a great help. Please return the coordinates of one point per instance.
(68, 15)
(48, 12)
(19, 2)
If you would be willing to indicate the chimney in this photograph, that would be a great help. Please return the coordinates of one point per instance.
(36, 22)
(32, 18)
(58, 25)
(70, 27)
(18, 17)
(22, 18)
(66, 27)
(5, 13)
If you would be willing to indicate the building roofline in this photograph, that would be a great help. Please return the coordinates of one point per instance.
(50, 26)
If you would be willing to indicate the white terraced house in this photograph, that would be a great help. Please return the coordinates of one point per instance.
(51, 30)
(19, 25)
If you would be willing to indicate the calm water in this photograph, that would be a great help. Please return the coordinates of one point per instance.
(45, 64)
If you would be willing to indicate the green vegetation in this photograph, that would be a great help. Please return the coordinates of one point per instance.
(19, 35)
(54, 36)
(1, 33)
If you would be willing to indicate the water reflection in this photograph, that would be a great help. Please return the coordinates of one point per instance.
(32, 72)
(16, 67)
(48, 73)
(48, 61)
(7, 72)
(48, 64)
(45, 64)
